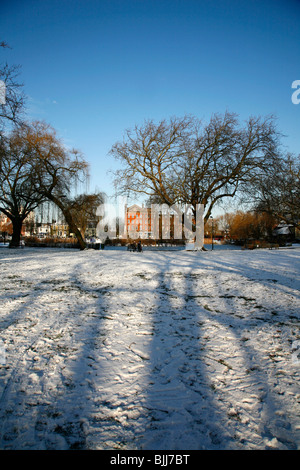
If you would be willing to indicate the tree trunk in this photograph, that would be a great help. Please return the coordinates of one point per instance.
(74, 229)
(16, 236)
(69, 219)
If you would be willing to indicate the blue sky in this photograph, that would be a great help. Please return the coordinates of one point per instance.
(95, 68)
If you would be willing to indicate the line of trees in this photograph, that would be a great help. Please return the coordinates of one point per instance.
(35, 166)
(186, 161)
(242, 226)
(174, 162)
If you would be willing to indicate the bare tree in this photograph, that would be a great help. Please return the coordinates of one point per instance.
(242, 226)
(34, 165)
(18, 194)
(184, 161)
(13, 105)
(47, 171)
(56, 170)
(83, 209)
(278, 191)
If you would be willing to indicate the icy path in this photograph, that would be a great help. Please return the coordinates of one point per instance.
(118, 350)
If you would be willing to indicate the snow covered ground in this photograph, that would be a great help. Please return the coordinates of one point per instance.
(155, 350)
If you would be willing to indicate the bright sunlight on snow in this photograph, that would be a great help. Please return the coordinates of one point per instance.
(155, 350)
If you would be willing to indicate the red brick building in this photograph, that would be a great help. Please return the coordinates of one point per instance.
(138, 222)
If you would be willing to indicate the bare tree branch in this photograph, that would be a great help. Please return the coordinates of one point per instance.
(184, 161)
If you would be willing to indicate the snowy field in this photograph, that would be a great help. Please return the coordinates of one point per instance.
(149, 351)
